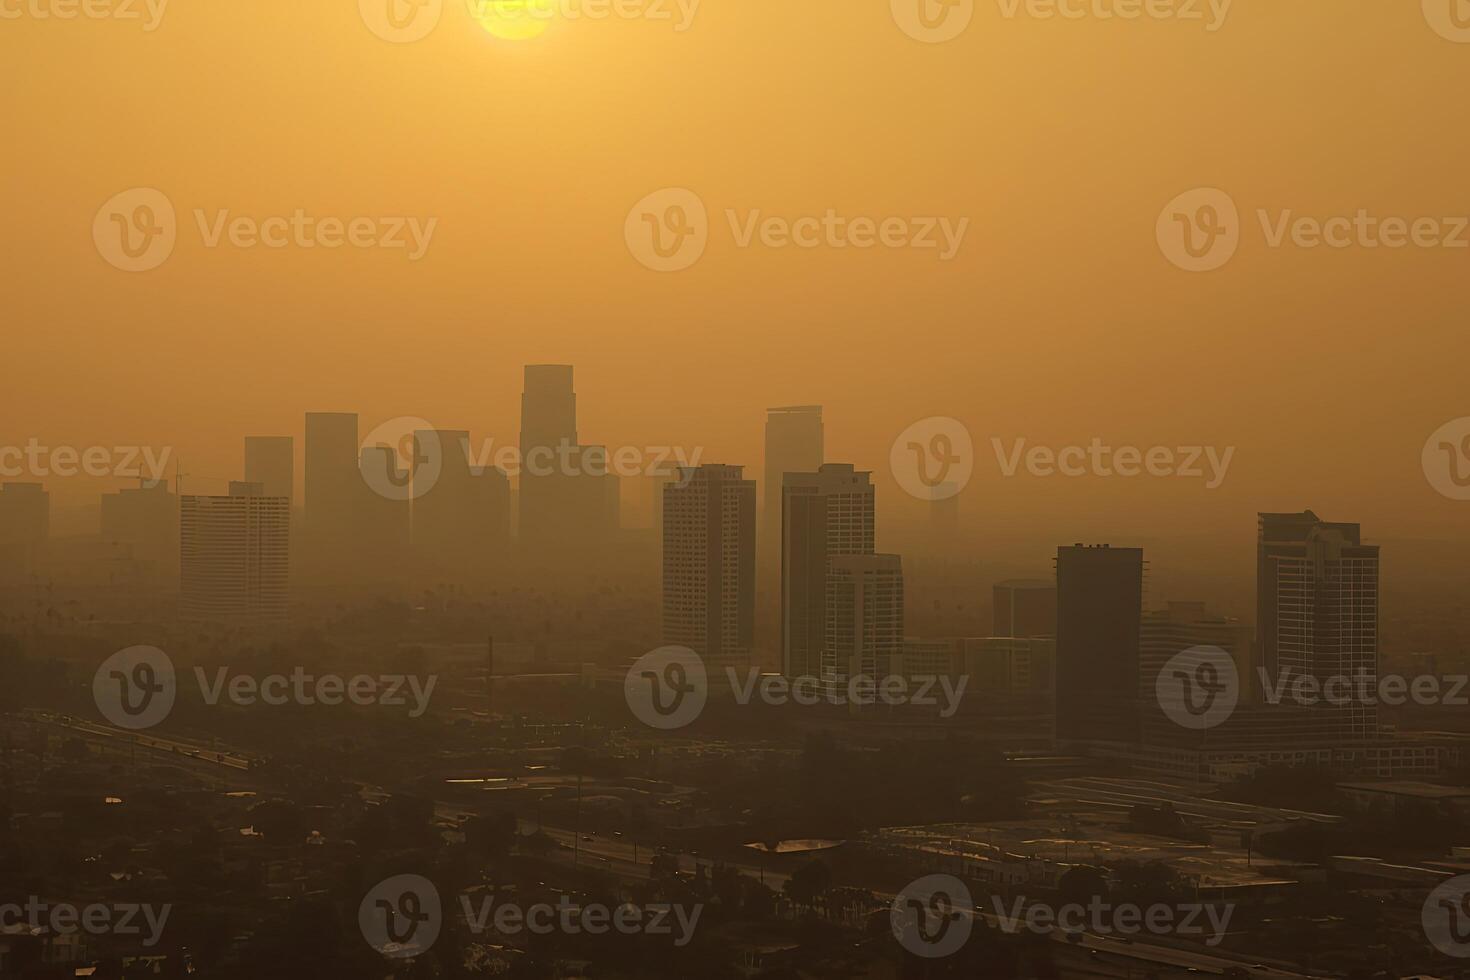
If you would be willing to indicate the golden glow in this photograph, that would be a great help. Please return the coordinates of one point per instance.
(514, 20)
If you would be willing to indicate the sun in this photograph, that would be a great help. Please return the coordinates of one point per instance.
(514, 20)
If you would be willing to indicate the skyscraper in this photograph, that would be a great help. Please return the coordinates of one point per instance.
(387, 519)
(794, 444)
(1024, 607)
(333, 492)
(461, 511)
(864, 635)
(1317, 606)
(234, 556)
(25, 525)
(826, 513)
(709, 563)
(271, 462)
(548, 437)
(146, 518)
(1099, 610)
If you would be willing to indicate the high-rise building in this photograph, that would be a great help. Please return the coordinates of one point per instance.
(1024, 607)
(1317, 607)
(271, 462)
(1184, 625)
(387, 520)
(25, 526)
(826, 514)
(1008, 665)
(864, 618)
(1099, 610)
(146, 519)
(794, 444)
(234, 556)
(334, 491)
(461, 514)
(709, 563)
(548, 436)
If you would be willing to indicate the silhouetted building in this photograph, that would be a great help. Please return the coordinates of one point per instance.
(794, 444)
(709, 563)
(333, 492)
(387, 520)
(864, 618)
(1008, 665)
(234, 556)
(25, 525)
(1317, 606)
(461, 511)
(271, 462)
(825, 514)
(146, 519)
(1183, 625)
(1099, 609)
(1024, 607)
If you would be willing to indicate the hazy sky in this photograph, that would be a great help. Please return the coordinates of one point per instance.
(1058, 319)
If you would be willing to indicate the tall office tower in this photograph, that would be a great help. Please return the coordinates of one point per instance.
(461, 511)
(234, 556)
(864, 618)
(1317, 607)
(794, 444)
(1008, 665)
(826, 514)
(1099, 609)
(271, 462)
(25, 525)
(146, 518)
(1024, 607)
(387, 520)
(548, 437)
(1182, 625)
(709, 563)
(25, 514)
(334, 492)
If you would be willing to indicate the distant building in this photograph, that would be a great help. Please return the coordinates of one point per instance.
(334, 491)
(1008, 665)
(1317, 606)
(794, 444)
(1024, 607)
(461, 515)
(864, 618)
(271, 462)
(146, 519)
(709, 563)
(1182, 625)
(386, 545)
(1099, 612)
(825, 515)
(25, 526)
(234, 556)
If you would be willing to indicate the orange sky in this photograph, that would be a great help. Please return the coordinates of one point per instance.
(1059, 319)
